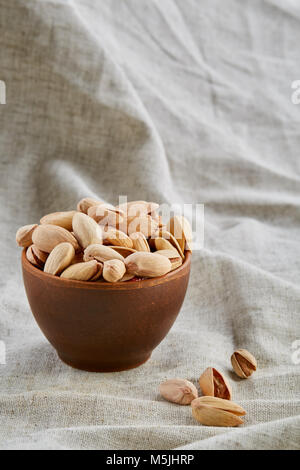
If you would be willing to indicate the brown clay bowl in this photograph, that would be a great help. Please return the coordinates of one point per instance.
(103, 327)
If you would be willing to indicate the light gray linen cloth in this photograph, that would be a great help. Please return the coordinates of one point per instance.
(182, 101)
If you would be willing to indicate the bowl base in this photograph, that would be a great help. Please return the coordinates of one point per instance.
(94, 367)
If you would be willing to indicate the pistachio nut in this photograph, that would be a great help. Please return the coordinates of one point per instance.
(45, 237)
(101, 253)
(63, 219)
(163, 233)
(36, 256)
(113, 270)
(59, 259)
(161, 243)
(24, 235)
(147, 264)
(214, 384)
(91, 212)
(86, 230)
(39, 255)
(85, 203)
(38, 259)
(139, 241)
(86, 271)
(116, 237)
(107, 215)
(178, 391)
(173, 256)
(181, 229)
(212, 411)
(144, 224)
(31, 258)
(243, 363)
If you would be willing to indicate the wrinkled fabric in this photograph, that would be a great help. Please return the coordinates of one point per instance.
(176, 102)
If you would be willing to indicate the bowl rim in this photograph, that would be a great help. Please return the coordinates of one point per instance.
(144, 283)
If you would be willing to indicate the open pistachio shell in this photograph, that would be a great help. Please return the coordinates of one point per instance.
(214, 384)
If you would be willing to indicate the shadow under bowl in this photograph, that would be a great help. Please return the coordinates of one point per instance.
(105, 327)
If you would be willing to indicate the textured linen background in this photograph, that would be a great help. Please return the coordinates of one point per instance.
(181, 101)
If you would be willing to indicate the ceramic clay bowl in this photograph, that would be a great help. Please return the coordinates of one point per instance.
(105, 327)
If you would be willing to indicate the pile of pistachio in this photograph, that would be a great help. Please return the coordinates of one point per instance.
(215, 407)
(99, 241)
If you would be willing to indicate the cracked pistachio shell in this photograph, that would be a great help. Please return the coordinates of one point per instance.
(31, 258)
(40, 256)
(215, 384)
(139, 242)
(163, 233)
(36, 256)
(182, 231)
(243, 363)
